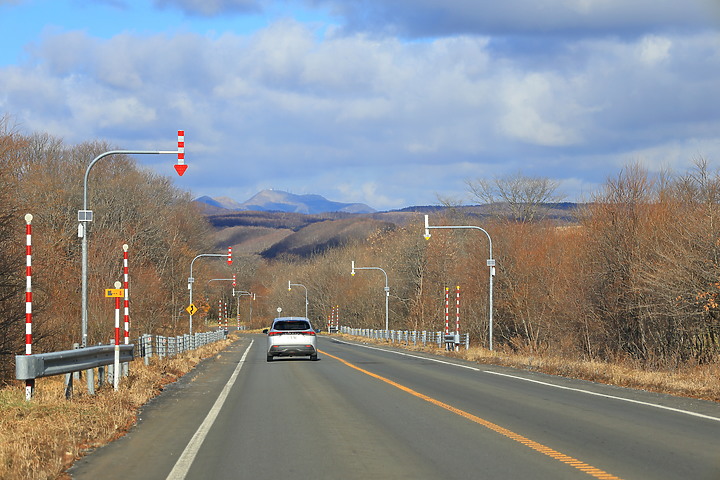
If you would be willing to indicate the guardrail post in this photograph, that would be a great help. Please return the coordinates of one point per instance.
(101, 376)
(68, 385)
(111, 373)
(147, 348)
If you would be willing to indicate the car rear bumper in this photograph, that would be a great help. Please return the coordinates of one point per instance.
(291, 350)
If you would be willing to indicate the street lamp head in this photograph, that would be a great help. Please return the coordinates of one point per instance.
(352, 272)
(427, 228)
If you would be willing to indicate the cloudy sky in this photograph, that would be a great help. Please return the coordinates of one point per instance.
(385, 102)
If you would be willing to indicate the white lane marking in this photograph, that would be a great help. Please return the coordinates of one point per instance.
(517, 377)
(412, 356)
(629, 400)
(183, 464)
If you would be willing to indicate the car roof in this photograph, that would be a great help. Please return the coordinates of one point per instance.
(290, 318)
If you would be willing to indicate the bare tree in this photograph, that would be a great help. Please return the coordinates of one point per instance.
(525, 197)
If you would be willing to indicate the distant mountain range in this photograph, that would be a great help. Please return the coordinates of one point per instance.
(279, 201)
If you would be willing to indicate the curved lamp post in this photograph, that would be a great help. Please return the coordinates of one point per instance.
(191, 280)
(387, 288)
(290, 285)
(490, 263)
(85, 216)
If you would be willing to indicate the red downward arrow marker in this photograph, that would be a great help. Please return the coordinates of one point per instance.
(180, 169)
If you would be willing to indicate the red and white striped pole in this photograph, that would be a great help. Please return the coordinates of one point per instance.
(457, 318)
(126, 303)
(181, 167)
(30, 383)
(447, 310)
(220, 313)
(226, 316)
(116, 369)
(229, 255)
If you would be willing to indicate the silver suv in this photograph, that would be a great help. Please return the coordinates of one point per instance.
(291, 337)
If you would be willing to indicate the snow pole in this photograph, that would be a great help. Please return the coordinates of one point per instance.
(30, 383)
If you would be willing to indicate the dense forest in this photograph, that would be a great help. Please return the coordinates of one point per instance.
(634, 278)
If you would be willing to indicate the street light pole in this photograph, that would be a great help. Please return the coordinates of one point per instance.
(85, 216)
(490, 263)
(306, 294)
(191, 280)
(387, 288)
(240, 293)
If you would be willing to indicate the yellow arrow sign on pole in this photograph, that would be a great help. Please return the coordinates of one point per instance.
(114, 292)
(191, 309)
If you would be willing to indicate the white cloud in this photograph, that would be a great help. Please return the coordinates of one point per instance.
(395, 122)
(654, 49)
(529, 111)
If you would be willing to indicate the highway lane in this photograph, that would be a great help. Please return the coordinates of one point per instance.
(365, 411)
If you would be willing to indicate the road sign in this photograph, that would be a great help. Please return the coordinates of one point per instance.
(114, 292)
(191, 309)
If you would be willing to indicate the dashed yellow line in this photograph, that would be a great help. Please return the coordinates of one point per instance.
(561, 457)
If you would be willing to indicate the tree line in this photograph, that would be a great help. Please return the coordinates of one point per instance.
(41, 175)
(636, 278)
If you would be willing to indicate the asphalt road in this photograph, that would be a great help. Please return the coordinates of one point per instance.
(363, 411)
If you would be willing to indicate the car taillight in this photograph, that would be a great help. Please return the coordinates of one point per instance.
(270, 334)
(309, 332)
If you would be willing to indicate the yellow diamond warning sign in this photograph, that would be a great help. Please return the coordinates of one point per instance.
(191, 309)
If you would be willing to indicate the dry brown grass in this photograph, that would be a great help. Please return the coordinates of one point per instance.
(40, 439)
(698, 381)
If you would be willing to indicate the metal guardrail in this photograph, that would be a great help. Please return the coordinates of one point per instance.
(39, 365)
(160, 346)
(405, 336)
(29, 367)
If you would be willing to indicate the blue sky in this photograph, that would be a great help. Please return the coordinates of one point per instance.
(389, 103)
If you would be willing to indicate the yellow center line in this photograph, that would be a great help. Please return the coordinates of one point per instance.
(573, 462)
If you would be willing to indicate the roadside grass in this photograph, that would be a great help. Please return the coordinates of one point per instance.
(42, 438)
(695, 381)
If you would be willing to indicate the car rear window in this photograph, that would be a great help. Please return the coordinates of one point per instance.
(291, 325)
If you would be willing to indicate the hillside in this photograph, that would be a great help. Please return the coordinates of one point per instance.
(318, 237)
(273, 234)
